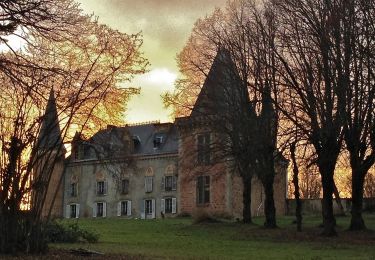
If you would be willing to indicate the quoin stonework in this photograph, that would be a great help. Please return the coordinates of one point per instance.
(155, 170)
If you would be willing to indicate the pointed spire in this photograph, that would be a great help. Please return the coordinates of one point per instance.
(220, 82)
(50, 134)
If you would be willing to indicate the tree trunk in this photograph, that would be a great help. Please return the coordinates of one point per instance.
(269, 204)
(246, 200)
(296, 187)
(329, 221)
(357, 222)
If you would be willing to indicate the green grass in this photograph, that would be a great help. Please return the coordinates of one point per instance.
(180, 239)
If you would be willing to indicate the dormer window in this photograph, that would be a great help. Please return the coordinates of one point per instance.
(136, 140)
(158, 140)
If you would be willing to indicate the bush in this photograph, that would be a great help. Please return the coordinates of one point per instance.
(72, 233)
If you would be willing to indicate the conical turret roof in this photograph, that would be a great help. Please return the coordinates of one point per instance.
(219, 85)
(50, 133)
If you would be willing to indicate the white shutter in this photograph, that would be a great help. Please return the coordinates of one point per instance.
(104, 209)
(162, 205)
(67, 213)
(163, 183)
(77, 210)
(146, 184)
(94, 210)
(151, 183)
(119, 209)
(174, 205)
(105, 187)
(77, 191)
(143, 208)
(153, 208)
(129, 208)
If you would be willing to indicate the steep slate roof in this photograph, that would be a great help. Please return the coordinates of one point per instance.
(50, 133)
(219, 84)
(143, 137)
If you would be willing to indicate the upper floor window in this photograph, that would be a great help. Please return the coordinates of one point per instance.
(149, 183)
(101, 188)
(125, 186)
(203, 149)
(170, 183)
(203, 190)
(73, 189)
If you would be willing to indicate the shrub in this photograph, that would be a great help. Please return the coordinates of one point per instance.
(72, 233)
(202, 216)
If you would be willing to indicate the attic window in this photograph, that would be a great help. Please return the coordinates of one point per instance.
(136, 139)
(158, 140)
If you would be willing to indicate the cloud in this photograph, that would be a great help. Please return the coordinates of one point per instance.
(166, 26)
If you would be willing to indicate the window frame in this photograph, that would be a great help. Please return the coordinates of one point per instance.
(204, 149)
(101, 191)
(73, 189)
(203, 187)
(125, 186)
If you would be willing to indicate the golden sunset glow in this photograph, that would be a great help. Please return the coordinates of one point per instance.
(166, 26)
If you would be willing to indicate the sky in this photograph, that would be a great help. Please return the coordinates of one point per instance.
(166, 26)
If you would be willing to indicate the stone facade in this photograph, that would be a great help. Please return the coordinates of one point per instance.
(161, 170)
(140, 184)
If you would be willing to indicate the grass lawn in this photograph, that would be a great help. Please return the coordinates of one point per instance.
(181, 239)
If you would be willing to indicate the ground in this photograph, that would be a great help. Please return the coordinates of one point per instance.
(181, 239)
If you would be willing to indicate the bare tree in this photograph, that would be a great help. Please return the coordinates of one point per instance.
(85, 70)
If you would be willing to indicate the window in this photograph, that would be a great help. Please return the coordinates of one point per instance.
(148, 208)
(124, 208)
(101, 188)
(78, 152)
(73, 190)
(100, 209)
(72, 211)
(168, 205)
(158, 140)
(170, 183)
(82, 151)
(125, 186)
(204, 149)
(148, 183)
(203, 189)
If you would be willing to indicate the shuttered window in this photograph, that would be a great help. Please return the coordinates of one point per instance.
(124, 208)
(148, 183)
(100, 209)
(101, 188)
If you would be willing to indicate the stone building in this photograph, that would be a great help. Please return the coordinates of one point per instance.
(161, 170)
(128, 172)
(208, 180)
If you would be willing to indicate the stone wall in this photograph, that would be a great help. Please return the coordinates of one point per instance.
(89, 172)
(314, 206)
